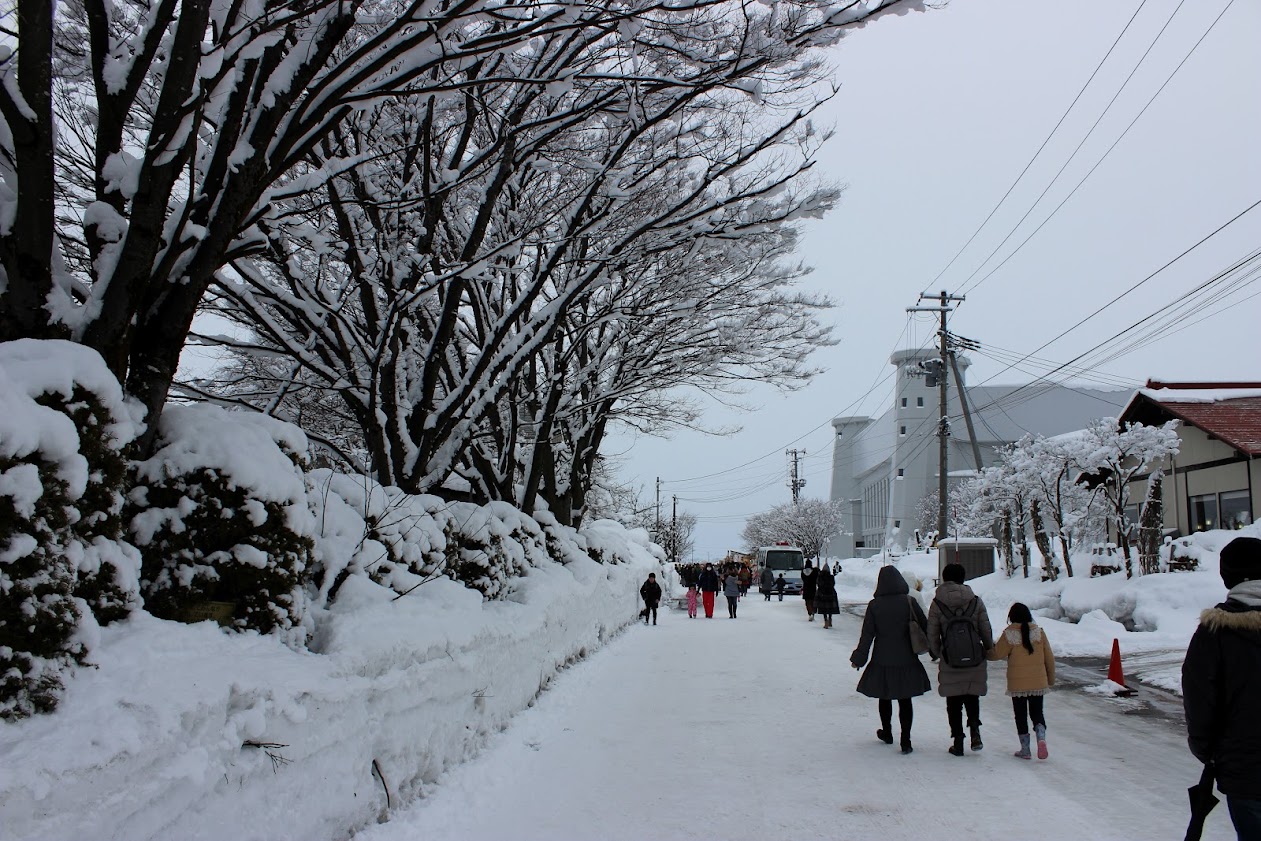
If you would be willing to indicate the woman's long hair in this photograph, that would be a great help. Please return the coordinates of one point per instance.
(1020, 613)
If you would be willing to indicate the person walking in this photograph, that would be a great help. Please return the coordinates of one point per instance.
(709, 589)
(768, 582)
(746, 579)
(692, 596)
(780, 584)
(895, 672)
(650, 592)
(808, 584)
(1221, 687)
(959, 634)
(825, 601)
(731, 589)
(1030, 673)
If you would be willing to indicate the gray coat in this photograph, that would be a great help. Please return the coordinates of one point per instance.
(731, 587)
(951, 680)
(895, 670)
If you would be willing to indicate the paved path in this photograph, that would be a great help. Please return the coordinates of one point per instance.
(751, 729)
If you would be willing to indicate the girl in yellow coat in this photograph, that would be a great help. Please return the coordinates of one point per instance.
(1030, 672)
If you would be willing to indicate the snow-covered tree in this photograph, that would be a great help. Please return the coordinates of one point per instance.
(808, 524)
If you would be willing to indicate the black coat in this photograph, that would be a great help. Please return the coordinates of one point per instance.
(709, 581)
(651, 593)
(809, 583)
(1221, 693)
(895, 670)
(825, 600)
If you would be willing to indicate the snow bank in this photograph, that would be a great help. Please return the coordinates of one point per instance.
(157, 741)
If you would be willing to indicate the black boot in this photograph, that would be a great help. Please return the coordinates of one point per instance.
(976, 737)
(956, 749)
(884, 735)
(906, 743)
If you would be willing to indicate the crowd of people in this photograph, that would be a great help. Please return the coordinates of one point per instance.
(1221, 675)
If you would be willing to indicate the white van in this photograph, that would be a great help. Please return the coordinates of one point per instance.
(785, 559)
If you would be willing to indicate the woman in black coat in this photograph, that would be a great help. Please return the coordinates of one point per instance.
(895, 671)
(825, 601)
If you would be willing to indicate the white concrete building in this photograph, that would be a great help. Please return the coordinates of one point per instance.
(883, 467)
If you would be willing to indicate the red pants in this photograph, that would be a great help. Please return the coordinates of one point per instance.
(707, 598)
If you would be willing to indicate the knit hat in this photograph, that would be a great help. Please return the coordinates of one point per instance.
(954, 572)
(1241, 561)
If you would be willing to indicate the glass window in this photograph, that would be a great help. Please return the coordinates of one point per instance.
(1203, 512)
(1235, 509)
(901, 472)
(903, 402)
(902, 430)
(919, 401)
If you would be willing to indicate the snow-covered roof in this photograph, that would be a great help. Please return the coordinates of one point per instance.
(1230, 412)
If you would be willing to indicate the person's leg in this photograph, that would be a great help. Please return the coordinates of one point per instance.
(906, 715)
(954, 715)
(885, 733)
(735, 606)
(1245, 814)
(972, 703)
(1020, 706)
(654, 614)
(1039, 724)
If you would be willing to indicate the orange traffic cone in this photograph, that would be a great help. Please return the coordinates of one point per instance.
(1115, 673)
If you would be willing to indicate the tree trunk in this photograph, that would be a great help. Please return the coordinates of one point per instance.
(1005, 545)
(1151, 526)
(1043, 541)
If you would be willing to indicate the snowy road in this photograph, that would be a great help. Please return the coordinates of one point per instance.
(751, 729)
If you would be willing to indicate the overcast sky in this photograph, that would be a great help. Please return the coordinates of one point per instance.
(937, 115)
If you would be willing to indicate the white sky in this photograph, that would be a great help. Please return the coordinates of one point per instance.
(938, 114)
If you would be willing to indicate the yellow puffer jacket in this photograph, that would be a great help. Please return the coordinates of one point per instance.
(1027, 674)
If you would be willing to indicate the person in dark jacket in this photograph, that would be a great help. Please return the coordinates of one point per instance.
(809, 581)
(1221, 687)
(709, 589)
(825, 600)
(768, 582)
(895, 672)
(962, 687)
(650, 592)
(780, 584)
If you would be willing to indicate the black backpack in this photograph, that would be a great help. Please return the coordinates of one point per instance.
(961, 645)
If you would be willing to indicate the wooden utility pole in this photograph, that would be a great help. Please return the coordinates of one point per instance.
(794, 481)
(943, 307)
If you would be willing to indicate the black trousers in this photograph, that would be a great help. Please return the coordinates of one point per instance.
(906, 714)
(1025, 709)
(651, 609)
(731, 605)
(955, 705)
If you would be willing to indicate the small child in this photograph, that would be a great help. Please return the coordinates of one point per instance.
(1030, 672)
(691, 601)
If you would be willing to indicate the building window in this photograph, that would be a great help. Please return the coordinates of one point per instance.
(897, 524)
(1203, 512)
(902, 430)
(1234, 509)
(901, 472)
(903, 402)
(919, 401)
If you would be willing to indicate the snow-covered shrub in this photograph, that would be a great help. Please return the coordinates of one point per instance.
(220, 513)
(63, 431)
(494, 543)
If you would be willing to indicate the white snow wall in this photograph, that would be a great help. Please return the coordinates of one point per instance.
(150, 745)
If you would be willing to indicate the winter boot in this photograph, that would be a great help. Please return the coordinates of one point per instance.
(956, 749)
(1040, 730)
(884, 735)
(976, 736)
(906, 743)
(1023, 753)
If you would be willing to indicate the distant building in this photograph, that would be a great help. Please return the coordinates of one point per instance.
(1214, 482)
(883, 468)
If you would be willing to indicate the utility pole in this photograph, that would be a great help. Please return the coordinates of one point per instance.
(674, 531)
(943, 427)
(794, 482)
(657, 532)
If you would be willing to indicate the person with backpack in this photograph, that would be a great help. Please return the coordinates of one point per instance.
(959, 635)
(1030, 673)
(825, 601)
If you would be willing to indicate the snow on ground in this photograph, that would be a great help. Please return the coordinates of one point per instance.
(751, 729)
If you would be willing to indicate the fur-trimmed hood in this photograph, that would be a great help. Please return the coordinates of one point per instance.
(1012, 632)
(1233, 616)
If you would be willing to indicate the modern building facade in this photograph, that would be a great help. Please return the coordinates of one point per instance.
(883, 468)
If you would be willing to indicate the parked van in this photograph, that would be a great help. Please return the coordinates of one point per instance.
(786, 559)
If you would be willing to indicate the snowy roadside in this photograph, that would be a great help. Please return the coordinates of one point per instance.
(183, 731)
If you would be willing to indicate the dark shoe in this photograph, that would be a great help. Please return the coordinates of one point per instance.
(956, 749)
(906, 744)
(976, 737)
(884, 736)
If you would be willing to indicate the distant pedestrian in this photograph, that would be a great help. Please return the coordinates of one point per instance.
(768, 582)
(809, 581)
(746, 580)
(692, 597)
(959, 635)
(650, 592)
(731, 589)
(1030, 673)
(895, 672)
(709, 589)
(1221, 687)
(780, 584)
(825, 601)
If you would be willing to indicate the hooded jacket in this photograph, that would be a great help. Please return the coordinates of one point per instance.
(971, 680)
(809, 583)
(895, 670)
(1221, 691)
(651, 593)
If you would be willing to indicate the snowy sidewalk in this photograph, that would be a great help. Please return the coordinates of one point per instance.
(751, 729)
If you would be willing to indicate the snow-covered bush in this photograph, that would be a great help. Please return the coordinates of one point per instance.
(220, 513)
(63, 568)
